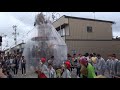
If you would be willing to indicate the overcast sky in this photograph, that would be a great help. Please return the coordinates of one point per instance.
(25, 21)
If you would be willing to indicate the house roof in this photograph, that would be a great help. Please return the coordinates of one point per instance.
(17, 45)
(85, 19)
(14, 46)
(20, 44)
(6, 49)
(89, 19)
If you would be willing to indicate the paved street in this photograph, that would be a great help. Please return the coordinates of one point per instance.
(34, 75)
(19, 75)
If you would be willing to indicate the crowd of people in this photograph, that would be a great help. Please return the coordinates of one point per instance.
(11, 64)
(87, 66)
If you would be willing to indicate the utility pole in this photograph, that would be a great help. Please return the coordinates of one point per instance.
(15, 34)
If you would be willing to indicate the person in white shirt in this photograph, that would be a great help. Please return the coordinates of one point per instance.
(108, 65)
(78, 64)
(11, 63)
(101, 65)
(118, 68)
(52, 73)
(113, 65)
(87, 56)
(66, 73)
(11, 60)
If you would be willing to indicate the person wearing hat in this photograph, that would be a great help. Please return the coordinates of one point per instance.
(83, 70)
(59, 72)
(43, 70)
(66, 73)
(87, 70)
(94, 62)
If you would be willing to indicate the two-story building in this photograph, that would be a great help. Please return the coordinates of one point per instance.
(18, 49)
(87, 35)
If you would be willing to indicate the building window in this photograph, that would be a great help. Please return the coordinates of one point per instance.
(59, 32)
(67, 32)
(89, 29)
(62, 32)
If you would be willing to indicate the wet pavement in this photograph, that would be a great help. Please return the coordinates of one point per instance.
(34, 75)
(20, 75)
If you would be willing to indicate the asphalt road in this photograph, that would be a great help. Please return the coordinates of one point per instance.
(34, 75)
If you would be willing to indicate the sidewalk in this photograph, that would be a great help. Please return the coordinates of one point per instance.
(19, 75)
(34, 75)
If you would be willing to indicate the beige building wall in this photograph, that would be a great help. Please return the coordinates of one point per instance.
(102, 47)
(78, 29)
(99, 41)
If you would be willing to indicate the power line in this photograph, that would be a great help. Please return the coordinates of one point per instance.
(13, 37)
(21, 39)
(24, 36)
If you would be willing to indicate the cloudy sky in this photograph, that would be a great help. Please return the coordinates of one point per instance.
(25, 21)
